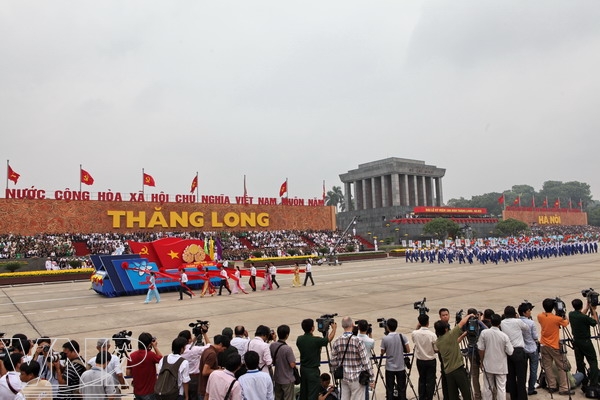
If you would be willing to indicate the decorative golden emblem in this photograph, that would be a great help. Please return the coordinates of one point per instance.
(193, 253)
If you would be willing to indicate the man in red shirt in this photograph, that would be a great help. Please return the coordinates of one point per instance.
(141, 366)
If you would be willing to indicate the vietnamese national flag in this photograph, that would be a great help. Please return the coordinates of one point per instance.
(283, 189)
(545, 203)
(86, 178)
(501, 199)
(557, 203)
(149, 180)
(194, 184)
(517, 201)
(12, 175)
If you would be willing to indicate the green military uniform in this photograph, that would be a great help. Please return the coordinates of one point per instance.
(310, 360)
(453, 366)
(582, 344)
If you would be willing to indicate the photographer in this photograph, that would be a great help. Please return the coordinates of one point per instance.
(582, 343)
(113, 367)
(424, 352)
(532, 341)
(471, 331)
(452, 359)
(69, 375)
(550, 348)
(141, 366)
(261, 346)
(44, 355)
(394, 345)
(310, 358)
(516, 329)
(349, 352)
(192, 354)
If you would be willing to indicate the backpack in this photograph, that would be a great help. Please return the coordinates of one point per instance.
(167, 385)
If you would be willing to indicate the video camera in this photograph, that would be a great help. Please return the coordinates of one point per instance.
(382, 323)
(560, 308)
(420, 305)
(122, 339)
(199, 327)
(591, 295)
(324, 322)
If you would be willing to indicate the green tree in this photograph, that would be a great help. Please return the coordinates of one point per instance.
(441, 228)
(511, 227)
(574, 191)
(335, 198)
(593, 211)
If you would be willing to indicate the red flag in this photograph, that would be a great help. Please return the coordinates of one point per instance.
(183, 251)
(144, 249)
(501, 199)
(517, 201)
(194, 184)
(12, 175)
(149, 180)
(545, 203)
(283, 189)
(557, 203)
(86, 178)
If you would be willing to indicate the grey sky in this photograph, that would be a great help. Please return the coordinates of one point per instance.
(498, 93)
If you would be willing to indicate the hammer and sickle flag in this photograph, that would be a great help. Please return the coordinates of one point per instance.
(86, 178)
(149, 180)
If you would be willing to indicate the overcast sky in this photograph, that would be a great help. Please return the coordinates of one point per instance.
(497, 93)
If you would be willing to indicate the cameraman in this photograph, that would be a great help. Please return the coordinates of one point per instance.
(582, 343)
(452, 359)
(394, 344)
(43, 355)
(310, 358)
(550, 349)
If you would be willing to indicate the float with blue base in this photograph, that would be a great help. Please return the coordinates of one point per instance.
(129, 274)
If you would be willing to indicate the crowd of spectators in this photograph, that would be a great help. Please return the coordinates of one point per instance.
(235, 246)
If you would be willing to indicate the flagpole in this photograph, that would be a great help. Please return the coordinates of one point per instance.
(7, 167)
(143, 184)
(245, 191)
(197, 189)
(79, 178)
(287, 189)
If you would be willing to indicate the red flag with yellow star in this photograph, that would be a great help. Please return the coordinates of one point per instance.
(173, 253)
(12, 175)
(86, 178)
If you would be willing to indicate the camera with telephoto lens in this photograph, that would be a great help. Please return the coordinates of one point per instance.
(382, 322)
(324, 322)
(560, 308)
(420, 305)
(199, 327)
(591, 295)
(122, 339)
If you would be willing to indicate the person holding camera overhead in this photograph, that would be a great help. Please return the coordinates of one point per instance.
(550, 349)
(582, 343)
(141, 366)
(453, 365)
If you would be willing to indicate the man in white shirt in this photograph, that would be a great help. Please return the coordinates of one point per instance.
(183, 376)
(308, 273)
(224, 281)
(252, 281)
(10, 383)
(114, 365)
(494, 347)
(240, 341)
(259, 345)
(515, 328)
(256, 384)
(183, 280)
(273, 272)
(192, 354)
(424, 352)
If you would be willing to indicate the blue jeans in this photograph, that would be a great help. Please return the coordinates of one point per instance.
(534, 360)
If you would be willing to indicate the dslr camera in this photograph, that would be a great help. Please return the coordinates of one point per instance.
(324, 322)
(591, 295)
(420, 305)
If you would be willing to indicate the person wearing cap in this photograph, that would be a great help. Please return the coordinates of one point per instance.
(97, 383)
(113, 367)
(531, 339)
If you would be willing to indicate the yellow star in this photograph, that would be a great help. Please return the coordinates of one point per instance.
(173, 255)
